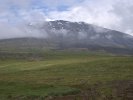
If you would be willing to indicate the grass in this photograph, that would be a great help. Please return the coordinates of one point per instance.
(10, 90)
(61, 73)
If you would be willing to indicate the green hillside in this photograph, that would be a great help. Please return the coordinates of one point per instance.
(66, 75)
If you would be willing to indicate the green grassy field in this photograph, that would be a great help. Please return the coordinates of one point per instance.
(65, 75)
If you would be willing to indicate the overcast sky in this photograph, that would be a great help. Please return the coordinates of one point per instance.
(15, 14)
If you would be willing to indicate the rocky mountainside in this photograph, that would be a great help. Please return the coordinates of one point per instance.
(64, 34)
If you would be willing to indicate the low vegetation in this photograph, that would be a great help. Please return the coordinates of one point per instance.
(65, 75)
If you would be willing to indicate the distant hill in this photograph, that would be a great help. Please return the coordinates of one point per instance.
(72, 35)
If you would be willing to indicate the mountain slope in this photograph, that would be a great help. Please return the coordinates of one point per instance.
(74, 33)
(63, 35)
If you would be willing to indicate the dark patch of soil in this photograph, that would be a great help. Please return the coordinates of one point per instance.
(119, 90)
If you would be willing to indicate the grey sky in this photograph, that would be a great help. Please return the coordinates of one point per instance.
(15, 14)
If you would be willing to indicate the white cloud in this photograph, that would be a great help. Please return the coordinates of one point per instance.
(33, 15)
(113, 14)
(93, 16)
(21, 3)
(9, 31)
(56, 3)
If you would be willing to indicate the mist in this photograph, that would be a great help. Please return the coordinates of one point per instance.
(17, 16)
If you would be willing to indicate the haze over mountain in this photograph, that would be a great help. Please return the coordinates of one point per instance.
(112, 14)
(61, 34)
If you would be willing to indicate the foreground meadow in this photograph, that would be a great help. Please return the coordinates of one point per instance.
(66, 75)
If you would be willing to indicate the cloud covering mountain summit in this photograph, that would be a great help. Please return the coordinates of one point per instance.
(112, 14)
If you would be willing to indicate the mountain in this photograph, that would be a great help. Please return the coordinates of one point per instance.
(65, 35)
